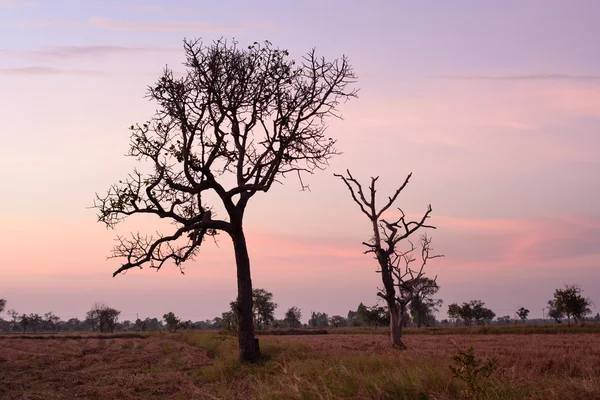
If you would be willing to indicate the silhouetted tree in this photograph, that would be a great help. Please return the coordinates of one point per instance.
(292, 317)
(554, 312)
(351, 318)
(400, 279)
(2, 305)
(363, 315)
(31, 321)
(488, 316)
(173, 323)
(481, 314)
(24, 321)
(102, 317)
(51, 321)
(423, 306)
(473, 310)
(504, 320)
(216, 323)
(237, 122)
(522, 313)
(375, 315)
(125, 325)
(454, 312)
(72, 325)
(140, 325)
(263, 308)
(571, 303)
(229, 321)
(14, 315)
(186, 324)
(338, 320)
(318, 320)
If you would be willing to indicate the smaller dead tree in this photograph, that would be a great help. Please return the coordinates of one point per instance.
(402, 280)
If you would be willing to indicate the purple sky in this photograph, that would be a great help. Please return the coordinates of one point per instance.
(494, 107)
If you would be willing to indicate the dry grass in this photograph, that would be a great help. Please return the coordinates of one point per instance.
(74, 336)
(291, 331)
(204, 366)
(519, 329)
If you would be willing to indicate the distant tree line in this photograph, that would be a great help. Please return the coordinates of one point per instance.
(567, 303)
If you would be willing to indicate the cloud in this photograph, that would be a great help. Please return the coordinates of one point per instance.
(17, 3)
(90, 51)
(162, 9)
(524, 77)
(63, 53)
(39, 23)
(100, 22)
(513, 243)
(41, 70)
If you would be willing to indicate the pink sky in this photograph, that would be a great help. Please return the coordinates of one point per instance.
(499, 127)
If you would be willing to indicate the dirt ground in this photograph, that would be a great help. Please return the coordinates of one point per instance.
(96, 368)
(161, 367)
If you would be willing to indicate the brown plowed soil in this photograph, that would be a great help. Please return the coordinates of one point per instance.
(96, 368)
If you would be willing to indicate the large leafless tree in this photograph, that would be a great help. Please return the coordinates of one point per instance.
(401, 271)
(236, 122)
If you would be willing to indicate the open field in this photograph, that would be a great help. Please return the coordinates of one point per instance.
(332, 366)
(519, 329)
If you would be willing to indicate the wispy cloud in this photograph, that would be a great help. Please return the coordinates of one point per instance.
(42, 23)
(499, 243)
(17, 3)
(161, 9)
(71, 52)
(41, 70)
(105, 23)
(523, 77)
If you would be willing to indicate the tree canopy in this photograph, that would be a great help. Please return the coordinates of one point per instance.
(239, 120)
(292, 317)
(570, 303)
(468, 312)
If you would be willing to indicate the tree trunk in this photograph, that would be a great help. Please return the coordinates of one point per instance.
(396, 313)
(249, 350)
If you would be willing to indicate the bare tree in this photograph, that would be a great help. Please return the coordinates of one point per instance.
(239, 120)
(401, 281)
